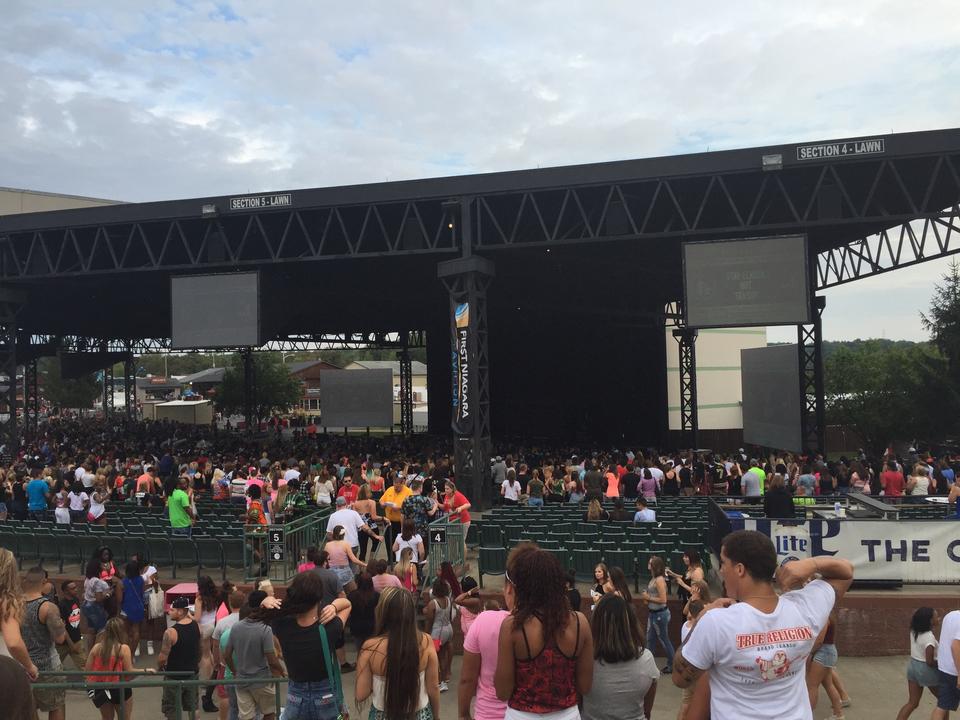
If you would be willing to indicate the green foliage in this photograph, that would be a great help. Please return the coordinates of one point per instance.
(74, 394)
(943, 319)
(891, 393)
(276, 390)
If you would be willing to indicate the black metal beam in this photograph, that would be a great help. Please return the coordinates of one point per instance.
(724, 194)
(51, 344)
(900, 246)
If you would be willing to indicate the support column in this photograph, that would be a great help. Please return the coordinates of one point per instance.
(31, 399)
(249, 389)
(130, 386)
(812, 410)
(689, 422)
(467, 280)
(108, 408)
(406, 388)
(10, 303)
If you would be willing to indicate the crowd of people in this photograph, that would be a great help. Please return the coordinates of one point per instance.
(536, 655)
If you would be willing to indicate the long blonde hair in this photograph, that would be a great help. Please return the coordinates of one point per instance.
(400, 568)
(11, 599)
(114, 638)
(594, 510)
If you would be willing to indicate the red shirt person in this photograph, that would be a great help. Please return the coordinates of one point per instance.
(891, 480)
(349, 491)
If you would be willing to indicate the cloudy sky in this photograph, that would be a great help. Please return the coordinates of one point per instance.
(135, 100)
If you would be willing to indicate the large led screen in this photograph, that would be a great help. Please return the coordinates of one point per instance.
(739, 283)
(356, 398)
(215, 311)
(770, 383)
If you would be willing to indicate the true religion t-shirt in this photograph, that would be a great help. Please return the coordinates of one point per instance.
(756, 660)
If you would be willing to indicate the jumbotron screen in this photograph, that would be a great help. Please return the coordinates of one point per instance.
(770, 383)
(215, 311)
(740, 283)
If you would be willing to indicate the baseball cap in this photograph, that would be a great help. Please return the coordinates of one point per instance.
(180, 603)
(341, 500)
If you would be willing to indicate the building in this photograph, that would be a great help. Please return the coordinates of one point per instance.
(308, 372)
(719, 395)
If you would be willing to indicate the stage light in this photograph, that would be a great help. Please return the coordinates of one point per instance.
(772, 162)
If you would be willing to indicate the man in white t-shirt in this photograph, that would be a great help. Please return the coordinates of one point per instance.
(948, 660)
(352, 523)
(754, 643)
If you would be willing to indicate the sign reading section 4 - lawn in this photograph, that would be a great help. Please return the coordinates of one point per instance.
(841, 149)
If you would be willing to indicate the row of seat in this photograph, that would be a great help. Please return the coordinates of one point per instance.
(204, 553)
(632, 560)
(210, 527)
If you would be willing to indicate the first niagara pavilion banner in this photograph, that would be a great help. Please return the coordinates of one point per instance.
(462, 402)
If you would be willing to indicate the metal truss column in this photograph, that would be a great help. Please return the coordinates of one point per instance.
(467, 280)
(31, 400)
(812, 410)
(249, 389)
(10, 304)
(130, 388)
(406, 389)
(108, 408)
(689, 422)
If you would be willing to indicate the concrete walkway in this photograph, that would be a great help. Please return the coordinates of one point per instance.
(877, 687)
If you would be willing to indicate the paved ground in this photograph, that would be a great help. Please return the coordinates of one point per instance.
(877, 687)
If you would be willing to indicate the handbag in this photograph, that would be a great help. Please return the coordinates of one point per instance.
(333, 674)
(155, 605)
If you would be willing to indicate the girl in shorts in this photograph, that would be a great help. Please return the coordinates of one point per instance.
(111, 654)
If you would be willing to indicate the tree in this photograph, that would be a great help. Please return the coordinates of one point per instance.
(79, 393)
(275, 389)
(943, 320)
(889, 394)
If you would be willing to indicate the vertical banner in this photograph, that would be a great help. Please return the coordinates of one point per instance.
(462, 418)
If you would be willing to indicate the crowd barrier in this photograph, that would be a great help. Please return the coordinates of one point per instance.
(145, 680)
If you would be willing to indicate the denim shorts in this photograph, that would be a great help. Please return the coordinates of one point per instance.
(344, 574)
(826, 656)
(95, 614)
(310, 701)
(922, 674)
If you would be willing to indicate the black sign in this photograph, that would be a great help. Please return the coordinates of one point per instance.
(820, 151)
(261, 202)
(438, 537)
(275, 542)
(462, 401)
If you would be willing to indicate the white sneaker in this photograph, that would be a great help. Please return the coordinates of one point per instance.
(149, 647)
(443, 687)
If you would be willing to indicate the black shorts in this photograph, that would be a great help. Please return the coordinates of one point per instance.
(948, 694)
(111, 695)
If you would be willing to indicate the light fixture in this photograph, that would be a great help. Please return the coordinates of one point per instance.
(772, 162)
(451, 212)
(208, 210)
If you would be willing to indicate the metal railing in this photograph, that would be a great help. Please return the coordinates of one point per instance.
(450, 547)
(145, 680)
(274, 551)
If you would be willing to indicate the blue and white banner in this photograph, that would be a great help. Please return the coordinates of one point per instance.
(914, 551)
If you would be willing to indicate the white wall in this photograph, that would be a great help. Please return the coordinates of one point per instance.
(718, 375)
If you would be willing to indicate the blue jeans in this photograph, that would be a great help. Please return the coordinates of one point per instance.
(535, 502)
(658, 624)
(95, 614)
(181, 532)
(310, 701)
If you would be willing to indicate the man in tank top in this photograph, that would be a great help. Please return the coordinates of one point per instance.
(42, 629)
(180, 651)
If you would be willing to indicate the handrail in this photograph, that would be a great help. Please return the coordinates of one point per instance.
(144, 682)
